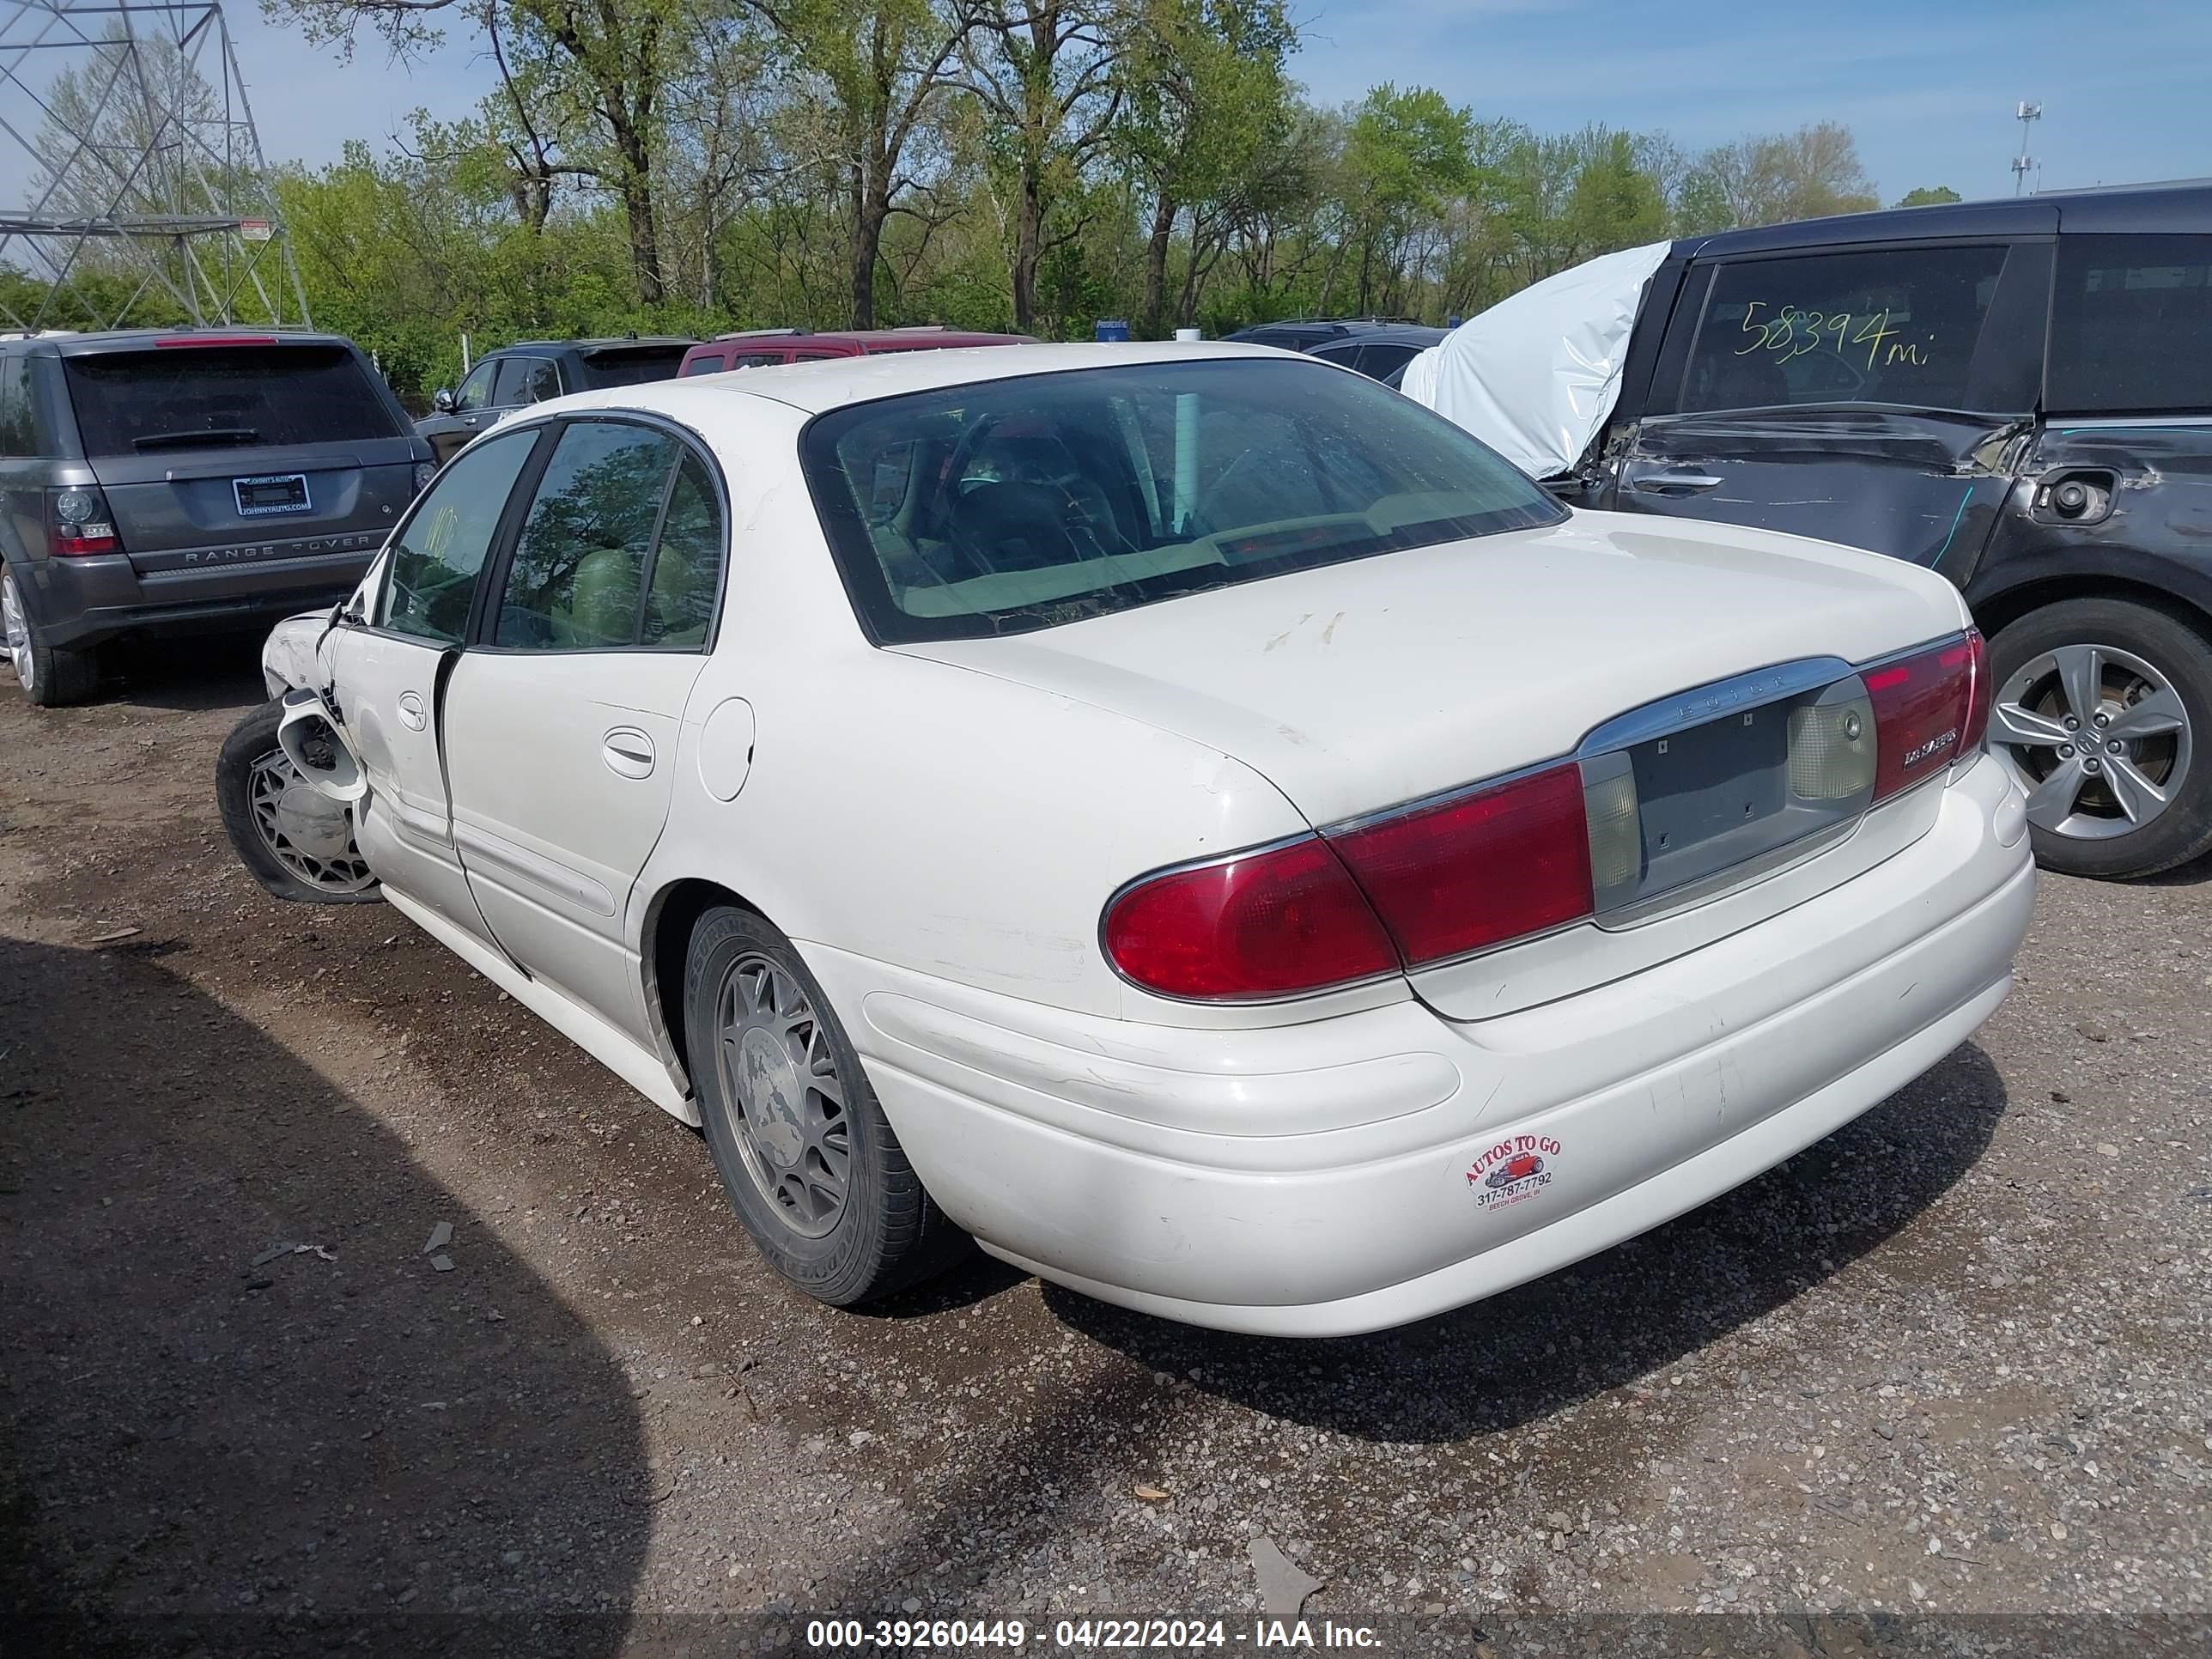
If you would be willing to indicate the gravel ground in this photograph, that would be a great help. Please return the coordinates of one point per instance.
(1950, 1363)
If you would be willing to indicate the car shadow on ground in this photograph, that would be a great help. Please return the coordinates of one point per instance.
(1622, 1315)
(1627, 1313)
(208, 1446)
(214, 670)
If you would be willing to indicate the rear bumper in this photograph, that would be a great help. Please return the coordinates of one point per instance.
(1375, 1167)
(82, 602)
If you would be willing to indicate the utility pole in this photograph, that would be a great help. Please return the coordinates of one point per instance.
(2027, 115)
(126, 135)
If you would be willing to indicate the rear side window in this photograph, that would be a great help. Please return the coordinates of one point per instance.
(631, 366)
(1379, 361)
(710, 364)
(2131, 328)
(579, 565)
(687, 563)
(16, 407)
(203, 396)
(526, 380)
(1898, 326)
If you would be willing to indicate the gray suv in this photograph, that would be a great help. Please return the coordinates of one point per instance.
(194, 480)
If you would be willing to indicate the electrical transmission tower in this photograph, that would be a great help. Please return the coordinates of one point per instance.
(127, 142)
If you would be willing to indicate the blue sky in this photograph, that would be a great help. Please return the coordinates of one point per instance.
(1928, 89)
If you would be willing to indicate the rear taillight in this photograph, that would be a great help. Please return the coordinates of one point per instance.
(1420, 886)
(1978, 700)
(1271, 923)
(1496, 864)
(78, 523)
(1505, 861)
(1930, 709)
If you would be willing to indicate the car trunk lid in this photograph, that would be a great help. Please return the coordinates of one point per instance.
(228, 453)
(1359, 688)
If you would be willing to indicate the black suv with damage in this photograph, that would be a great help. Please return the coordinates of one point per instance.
(2016, 393)
(155, 483)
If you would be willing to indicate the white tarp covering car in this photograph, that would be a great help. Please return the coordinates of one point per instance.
(1535, 376)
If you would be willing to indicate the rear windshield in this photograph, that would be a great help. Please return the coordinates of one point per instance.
(205, 397)
(1025, 503)
(631, 366)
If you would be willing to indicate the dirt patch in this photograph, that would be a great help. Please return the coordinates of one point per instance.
(1950, 1359)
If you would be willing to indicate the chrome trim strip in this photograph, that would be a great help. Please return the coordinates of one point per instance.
(1703, 703)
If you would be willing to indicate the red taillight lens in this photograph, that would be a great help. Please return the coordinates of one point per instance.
(1267, 924)
(1978, 699)
(1928, 709)
(1475, 871)
(78, 523)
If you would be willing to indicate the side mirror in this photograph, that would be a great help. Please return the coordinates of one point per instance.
(442, 400)
(309, 736)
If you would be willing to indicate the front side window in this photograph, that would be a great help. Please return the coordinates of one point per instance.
(1021, 504)
(475, 391)
(2131, 329)
(577, 571)
(1898, 326)
(436, 557)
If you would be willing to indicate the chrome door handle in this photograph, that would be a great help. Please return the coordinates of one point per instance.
(628, 752)
(1663, 481)
(411, 712)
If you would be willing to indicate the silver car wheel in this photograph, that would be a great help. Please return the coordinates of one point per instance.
(18, 627)
(779, 1077)
(310, 834)
(2096, 737)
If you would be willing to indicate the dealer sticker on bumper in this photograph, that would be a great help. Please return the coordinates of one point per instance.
(1517, 1167)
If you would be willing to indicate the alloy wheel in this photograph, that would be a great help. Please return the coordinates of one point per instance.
(779, 1084)
(2097, 738)
(18, 630)
(310, 834)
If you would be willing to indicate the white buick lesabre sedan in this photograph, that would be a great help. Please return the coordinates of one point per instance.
(1183, 815)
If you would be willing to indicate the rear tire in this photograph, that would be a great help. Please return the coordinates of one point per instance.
(291, 847)
(804, 1150)
(51, 677)
(2150, 670)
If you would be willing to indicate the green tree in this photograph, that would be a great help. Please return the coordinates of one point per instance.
(1771, 178)
(1404, 153)
(1205, 96)
(879, 76)
(610, 61)
(1929, 196)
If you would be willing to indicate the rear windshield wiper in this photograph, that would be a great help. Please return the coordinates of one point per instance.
(218, 434)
